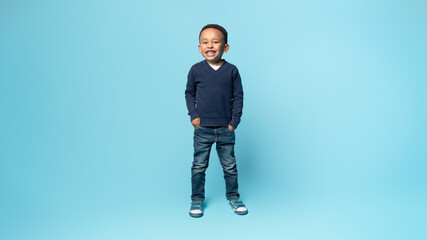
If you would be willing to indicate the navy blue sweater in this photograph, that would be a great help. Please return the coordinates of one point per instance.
(214, 96)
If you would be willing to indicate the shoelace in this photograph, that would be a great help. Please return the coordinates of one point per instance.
(196, 205)
(237, 203)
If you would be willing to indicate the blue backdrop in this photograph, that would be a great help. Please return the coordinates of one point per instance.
(96, 142)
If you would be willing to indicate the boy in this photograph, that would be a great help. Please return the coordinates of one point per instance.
(214, 97)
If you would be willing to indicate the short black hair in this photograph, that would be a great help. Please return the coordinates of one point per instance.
(218, 27)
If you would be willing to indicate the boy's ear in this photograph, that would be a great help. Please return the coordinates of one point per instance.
(226, 47)
(200, 48)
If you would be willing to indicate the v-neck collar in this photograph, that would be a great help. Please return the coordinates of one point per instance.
(211, 70)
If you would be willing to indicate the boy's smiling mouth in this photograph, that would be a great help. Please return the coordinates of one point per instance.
(210, 53)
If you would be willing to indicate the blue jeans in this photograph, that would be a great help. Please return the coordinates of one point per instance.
(224, 138)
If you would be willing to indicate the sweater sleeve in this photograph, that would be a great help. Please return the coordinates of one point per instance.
(190, 95)
(237, 100)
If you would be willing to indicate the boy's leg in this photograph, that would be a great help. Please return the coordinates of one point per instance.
(203, 140)
(225, 150)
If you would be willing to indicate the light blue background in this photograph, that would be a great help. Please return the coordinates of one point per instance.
(96, 142)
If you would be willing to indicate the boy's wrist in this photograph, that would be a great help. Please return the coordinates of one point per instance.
(195, 122)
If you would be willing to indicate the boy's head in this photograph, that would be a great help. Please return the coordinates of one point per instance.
(213, 42)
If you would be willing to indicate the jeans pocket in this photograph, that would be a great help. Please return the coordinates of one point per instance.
(228, 129)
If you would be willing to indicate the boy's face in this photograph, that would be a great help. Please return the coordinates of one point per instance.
(212, 45)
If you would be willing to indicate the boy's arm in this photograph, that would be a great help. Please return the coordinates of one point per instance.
(237, 100)
(190, 95)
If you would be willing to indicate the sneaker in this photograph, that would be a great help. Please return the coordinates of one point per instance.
(196, 209)
(238, 206)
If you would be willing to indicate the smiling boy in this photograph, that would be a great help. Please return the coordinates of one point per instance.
(214, 97)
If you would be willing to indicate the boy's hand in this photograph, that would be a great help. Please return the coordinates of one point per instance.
(231, 128)
(196, 123)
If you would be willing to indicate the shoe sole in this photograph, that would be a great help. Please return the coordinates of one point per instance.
(240, 213)
(196, 215)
